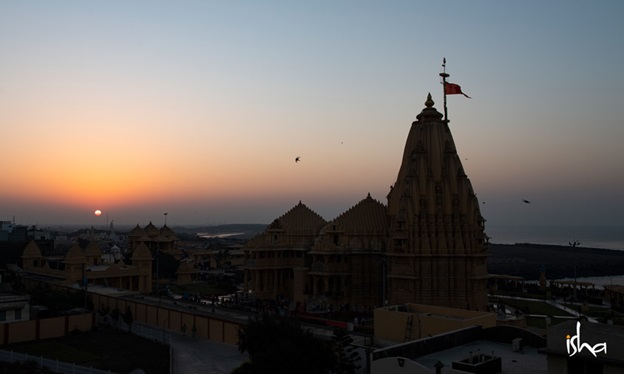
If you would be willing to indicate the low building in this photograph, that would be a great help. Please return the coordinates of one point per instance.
(402, 323)
(14, 306)
(187, 273)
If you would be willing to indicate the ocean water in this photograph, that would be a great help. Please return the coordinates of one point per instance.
(609, 237)
(600, 282)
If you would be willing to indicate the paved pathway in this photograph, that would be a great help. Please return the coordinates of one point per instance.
(553, 303)
(199, 355)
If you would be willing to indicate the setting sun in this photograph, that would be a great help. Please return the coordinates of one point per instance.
(98, 212)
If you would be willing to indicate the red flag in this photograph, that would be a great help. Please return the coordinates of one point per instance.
(453, 89)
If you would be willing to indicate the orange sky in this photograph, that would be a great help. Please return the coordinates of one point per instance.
(200, 110)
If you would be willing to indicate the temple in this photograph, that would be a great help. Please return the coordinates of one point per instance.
(426, 246)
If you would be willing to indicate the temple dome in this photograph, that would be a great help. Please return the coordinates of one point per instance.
(141, 252)
(75, 255)
(32, 250)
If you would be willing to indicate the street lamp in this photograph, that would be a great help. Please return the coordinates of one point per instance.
(157, 275)
(158, 264)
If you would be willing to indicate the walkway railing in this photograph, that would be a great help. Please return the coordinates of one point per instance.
(54, 365)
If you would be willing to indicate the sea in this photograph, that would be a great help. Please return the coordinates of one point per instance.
(607, 237)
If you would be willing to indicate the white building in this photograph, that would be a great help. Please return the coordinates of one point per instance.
(14, 306)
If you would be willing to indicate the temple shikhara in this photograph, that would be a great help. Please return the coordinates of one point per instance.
(426, 246)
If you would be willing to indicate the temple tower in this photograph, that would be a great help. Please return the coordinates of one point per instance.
(75, 263)
(142, 259)
(437, 249)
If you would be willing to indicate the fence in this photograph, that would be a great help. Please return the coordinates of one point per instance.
(145, 331)
(46, 328)
(54, 365)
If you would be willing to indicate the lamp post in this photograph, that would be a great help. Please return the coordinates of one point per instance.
(158, 264)
(384, 263)
(157, 272)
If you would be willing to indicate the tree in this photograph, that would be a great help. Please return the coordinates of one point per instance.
(127, 317)
(221, 257)
(167, 265)
(346, 356)
(279, 345)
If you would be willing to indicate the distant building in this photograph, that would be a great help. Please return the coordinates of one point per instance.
(427, 246)
(163, 239)
(10, 232)
(6, 228)
(85, 267)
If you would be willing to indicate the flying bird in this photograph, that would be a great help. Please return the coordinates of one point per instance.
(297, 159)
(526, 201)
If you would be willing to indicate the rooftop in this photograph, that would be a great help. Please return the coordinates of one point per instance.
(526, 361)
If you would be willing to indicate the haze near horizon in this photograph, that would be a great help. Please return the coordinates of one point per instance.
(199, 109)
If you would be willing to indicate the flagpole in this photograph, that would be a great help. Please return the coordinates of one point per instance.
(444, 75)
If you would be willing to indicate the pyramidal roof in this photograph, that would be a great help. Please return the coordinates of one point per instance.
(300, 220)
(32, 250)
(152, 230)
(367, 216)
(75, 255)
(93, 249)
(141, 252)
(137, 231)
(167, 232)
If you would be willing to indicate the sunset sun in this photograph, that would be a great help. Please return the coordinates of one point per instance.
(98, 212)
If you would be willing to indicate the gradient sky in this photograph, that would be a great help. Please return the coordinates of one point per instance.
(198, 108)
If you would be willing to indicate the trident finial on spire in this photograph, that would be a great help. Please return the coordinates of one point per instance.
(444, 75)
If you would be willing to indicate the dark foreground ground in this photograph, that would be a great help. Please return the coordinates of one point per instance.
(559, 261)
(104, 349)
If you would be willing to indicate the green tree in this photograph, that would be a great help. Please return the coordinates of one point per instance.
(279, 345)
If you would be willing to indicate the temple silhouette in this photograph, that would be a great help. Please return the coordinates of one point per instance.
(427, 245)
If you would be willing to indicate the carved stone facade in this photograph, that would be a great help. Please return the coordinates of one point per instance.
(437, 249)
(276, 263)
(427, 246)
